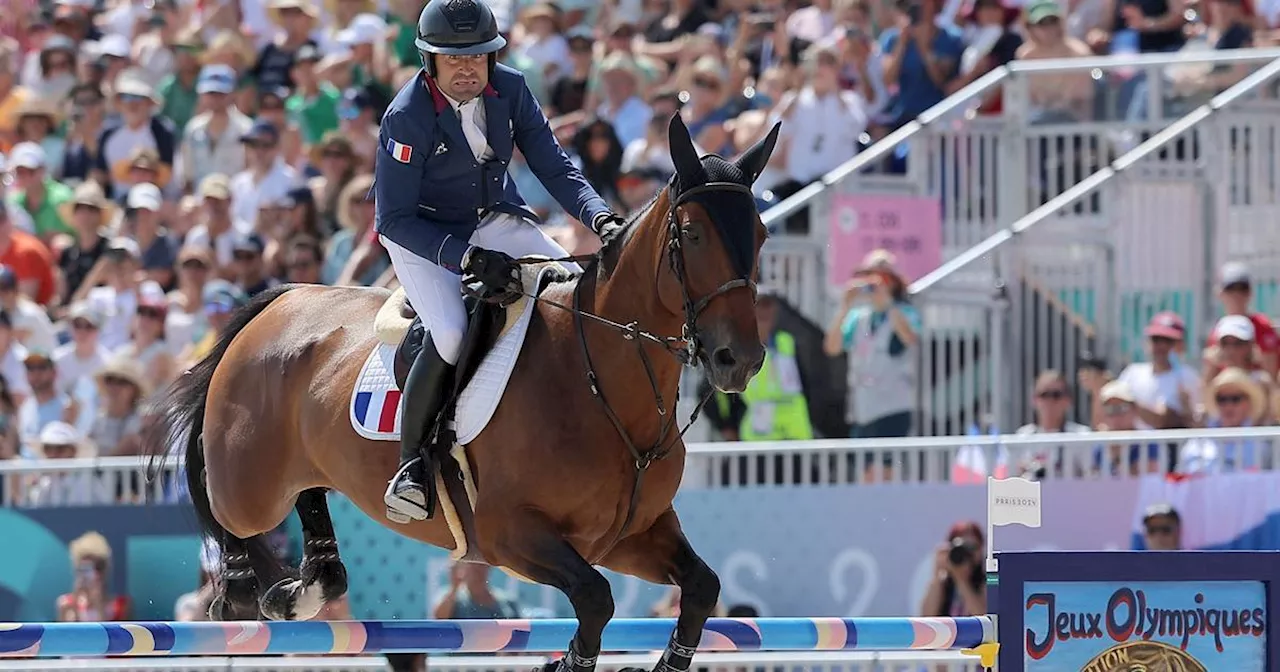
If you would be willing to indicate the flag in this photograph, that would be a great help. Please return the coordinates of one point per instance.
(1013, 501)
(399, 152)
(970, 465)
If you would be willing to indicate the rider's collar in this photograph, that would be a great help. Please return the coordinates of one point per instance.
(442, 101)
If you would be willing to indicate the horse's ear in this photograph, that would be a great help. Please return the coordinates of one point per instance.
(683, 154)
(753, 161)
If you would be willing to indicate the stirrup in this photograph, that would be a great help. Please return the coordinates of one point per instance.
(406, 503)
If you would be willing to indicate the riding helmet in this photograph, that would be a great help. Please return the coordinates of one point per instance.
(457, 28)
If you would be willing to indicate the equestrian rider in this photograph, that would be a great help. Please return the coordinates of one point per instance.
(446, 207)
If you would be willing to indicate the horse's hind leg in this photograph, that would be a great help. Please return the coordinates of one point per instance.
(662, 554)
(530, 545)
(236, 595)
(322, 575)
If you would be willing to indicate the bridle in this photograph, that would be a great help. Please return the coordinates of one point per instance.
(686, 348)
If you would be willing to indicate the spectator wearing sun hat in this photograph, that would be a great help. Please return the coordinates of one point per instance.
(142, 223)
(138, 126)
(36, 192)
(90, 214)
(38, 119)
(178, 79)
(295, 20)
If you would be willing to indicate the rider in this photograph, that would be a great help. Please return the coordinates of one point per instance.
(446, 206)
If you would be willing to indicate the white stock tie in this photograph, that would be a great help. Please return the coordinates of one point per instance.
(472, 127)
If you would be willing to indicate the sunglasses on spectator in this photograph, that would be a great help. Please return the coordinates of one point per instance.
(244, 256)
(1052, 394)
(152, 313)
(1237, 287)
(1119, 408)
(1229, 399)
(116, 381)
(56, 449)
(272, 106)
(131, 98)
(85, 207)
(83, 325)
(39, 366)
(1234, 342)
(194, 265)
(703, 83)
(1163, 340)
(60, 64)
(1157, 530)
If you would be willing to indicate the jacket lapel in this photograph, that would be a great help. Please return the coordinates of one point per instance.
(448, 119)
(498, 125)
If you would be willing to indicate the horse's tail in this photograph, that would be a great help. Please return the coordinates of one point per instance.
(182, 411)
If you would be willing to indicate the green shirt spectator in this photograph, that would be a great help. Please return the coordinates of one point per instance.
(30, 167)
(179, 100)
(317, 114)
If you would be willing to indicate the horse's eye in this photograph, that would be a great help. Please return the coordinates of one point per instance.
(691, 232)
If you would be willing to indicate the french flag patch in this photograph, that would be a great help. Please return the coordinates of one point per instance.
(399, 152)
(378, 412)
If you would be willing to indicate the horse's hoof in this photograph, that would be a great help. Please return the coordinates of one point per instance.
(289, 600)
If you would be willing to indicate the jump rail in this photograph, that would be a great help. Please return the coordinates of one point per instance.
(47, 640)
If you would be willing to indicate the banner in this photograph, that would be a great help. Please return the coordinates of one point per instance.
(1095, 626)
(908, 226)
(787, 551)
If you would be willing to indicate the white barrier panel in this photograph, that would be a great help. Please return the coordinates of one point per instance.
(947, 459)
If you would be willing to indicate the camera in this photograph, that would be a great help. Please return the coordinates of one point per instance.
(962, 551)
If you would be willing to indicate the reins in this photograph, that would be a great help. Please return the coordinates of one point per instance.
(686, 348)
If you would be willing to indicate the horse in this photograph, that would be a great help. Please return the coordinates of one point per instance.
(575, 469)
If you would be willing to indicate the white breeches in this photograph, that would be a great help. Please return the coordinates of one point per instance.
(436, 293)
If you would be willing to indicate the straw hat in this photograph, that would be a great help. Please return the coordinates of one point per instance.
(89, 545)
(542, 10)
(126, 368)
(274, 7)
(227, 43)
(332, 141)
(89, 193)
(366, 7)
(141, 157)
(38, 106)
(1238, 378)
(62, 434)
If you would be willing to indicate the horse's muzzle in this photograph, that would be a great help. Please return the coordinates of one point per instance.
(729, 369)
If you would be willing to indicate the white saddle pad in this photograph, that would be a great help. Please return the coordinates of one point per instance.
(375, 402)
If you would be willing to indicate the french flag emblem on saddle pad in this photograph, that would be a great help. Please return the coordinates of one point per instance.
(378, 411)
(399, 152)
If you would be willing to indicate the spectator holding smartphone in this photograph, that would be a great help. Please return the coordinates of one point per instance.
(878, 328)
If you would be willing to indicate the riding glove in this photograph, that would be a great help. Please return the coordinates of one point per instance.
(607, 225)
(495, 270)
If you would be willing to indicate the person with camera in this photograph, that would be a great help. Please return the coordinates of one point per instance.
(958, 586)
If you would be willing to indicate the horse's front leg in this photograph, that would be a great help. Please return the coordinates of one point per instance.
(663, 555)
(527, 543)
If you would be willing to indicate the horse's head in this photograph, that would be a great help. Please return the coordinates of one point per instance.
(713, 248)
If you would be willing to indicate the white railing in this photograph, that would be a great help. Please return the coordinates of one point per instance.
(789, 661)
(122, 480)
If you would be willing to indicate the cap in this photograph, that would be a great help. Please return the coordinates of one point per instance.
(579, 33)
(128, 246)
(222, 296)
(28, 155)
(262, 131)
(298, 196)
(38, 354)
(1041, 10)
(82, 311)
(1235, 326)
(1166, 325)
(216, 78)
(1160, 509)
(307, 53)
(115, 45)
(1116, 389)
(363, 29)
(1234, 273)
(249, 242)
(144, 196)
(215, 185)
(58, 433)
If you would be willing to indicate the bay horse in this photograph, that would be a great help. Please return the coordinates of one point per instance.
(558, 469)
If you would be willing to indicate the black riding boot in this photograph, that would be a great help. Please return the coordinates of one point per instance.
(411, 494)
